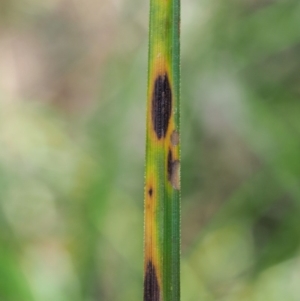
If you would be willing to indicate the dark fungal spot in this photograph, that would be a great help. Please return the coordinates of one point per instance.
(151, 286)
(161, 105)
(150, 192)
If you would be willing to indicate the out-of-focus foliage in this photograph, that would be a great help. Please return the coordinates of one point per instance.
(72, 132)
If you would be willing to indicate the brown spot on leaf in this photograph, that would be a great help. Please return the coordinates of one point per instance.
(173, 171)
(150, 192)
(151, 286)
(175, 138)
(175, 176)
(161, 105)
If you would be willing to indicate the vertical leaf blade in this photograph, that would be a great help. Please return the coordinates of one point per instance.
(162, 183)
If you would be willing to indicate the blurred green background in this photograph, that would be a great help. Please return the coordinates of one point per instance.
(72, 130)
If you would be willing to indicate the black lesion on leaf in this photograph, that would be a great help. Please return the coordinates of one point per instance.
(150, 192)
(161, 105)
(151, 286)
